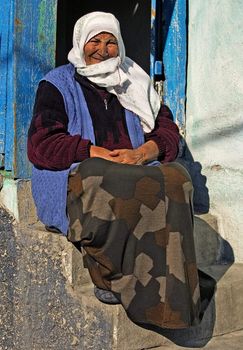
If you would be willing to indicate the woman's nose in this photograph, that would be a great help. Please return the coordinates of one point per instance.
(103, 51)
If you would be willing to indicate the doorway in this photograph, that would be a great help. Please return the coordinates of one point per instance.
(133, 15)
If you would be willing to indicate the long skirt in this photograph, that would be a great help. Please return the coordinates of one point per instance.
(135, 224)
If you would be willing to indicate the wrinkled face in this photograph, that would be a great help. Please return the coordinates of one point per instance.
(99, 48)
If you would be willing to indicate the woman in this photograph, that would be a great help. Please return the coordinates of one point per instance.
(96, 122)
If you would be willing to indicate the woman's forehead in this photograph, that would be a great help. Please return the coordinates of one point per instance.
(103, 35)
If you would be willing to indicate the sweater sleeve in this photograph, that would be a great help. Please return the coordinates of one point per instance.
(166, 135)
(50, 146)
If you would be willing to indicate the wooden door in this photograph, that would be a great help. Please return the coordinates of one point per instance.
(28, 51)
(28, 38)
(6, 86)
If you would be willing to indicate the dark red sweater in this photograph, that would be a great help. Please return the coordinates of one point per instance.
(50, 146)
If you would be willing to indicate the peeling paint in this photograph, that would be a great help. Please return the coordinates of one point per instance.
(18, 22)
(34, 57)
(175, 59)
(47, 25)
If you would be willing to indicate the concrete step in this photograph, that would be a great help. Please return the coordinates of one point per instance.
(211, 247)
(16, 197)
(51, 304)
(225, 312)
(231, 341)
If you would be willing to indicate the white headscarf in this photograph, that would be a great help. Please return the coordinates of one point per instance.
(119, 75)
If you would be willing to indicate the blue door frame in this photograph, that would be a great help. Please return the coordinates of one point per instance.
(168, 58)
(27, 52)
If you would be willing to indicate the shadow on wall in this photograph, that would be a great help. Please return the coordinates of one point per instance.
(218, 251)
(228, 131)
(201, 201)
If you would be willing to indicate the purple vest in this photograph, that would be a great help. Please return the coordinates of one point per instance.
(49, 188)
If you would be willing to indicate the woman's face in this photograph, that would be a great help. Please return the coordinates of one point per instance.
(99, 48)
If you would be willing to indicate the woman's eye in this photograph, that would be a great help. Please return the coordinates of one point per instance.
(112, 43)
(94, 41)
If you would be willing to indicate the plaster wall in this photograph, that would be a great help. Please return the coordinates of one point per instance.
(214, 115)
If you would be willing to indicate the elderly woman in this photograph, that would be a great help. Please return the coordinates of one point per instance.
(97, 122)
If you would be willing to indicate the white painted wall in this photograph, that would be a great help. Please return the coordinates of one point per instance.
(214, 117)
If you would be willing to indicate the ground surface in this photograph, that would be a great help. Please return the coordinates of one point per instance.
(7, 268)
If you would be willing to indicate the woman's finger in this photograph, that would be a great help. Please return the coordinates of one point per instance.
(114, 153)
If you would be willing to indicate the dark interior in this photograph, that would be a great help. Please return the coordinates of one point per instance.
(134, 18)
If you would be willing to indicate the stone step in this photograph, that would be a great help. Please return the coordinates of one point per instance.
(231, 341)
(53, 305)
(211, 247)
(225, 312)
(16, 197)
(224, 315)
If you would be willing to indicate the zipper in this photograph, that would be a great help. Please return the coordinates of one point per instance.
(106, 104)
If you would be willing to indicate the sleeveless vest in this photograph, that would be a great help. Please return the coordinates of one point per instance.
(49, 188)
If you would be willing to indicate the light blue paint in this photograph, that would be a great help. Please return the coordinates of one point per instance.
(156, 37)
(34, 57)
(158, 68)
(174, 57)
(6, 82)
(10, 112)
(173, 43)
(153, 36)
(26, 55)
(28, 39)
(4, 34)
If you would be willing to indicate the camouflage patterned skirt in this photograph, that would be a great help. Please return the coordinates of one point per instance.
(135, 224)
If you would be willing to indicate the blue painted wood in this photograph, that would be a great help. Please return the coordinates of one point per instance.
(27, 51)
(153, 38)
(6, 83)
(156, 39)
(34, 55)
(158, 67)
(174, 57)
(10, 117)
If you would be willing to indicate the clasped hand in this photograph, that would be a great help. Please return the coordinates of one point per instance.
(148, 151)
